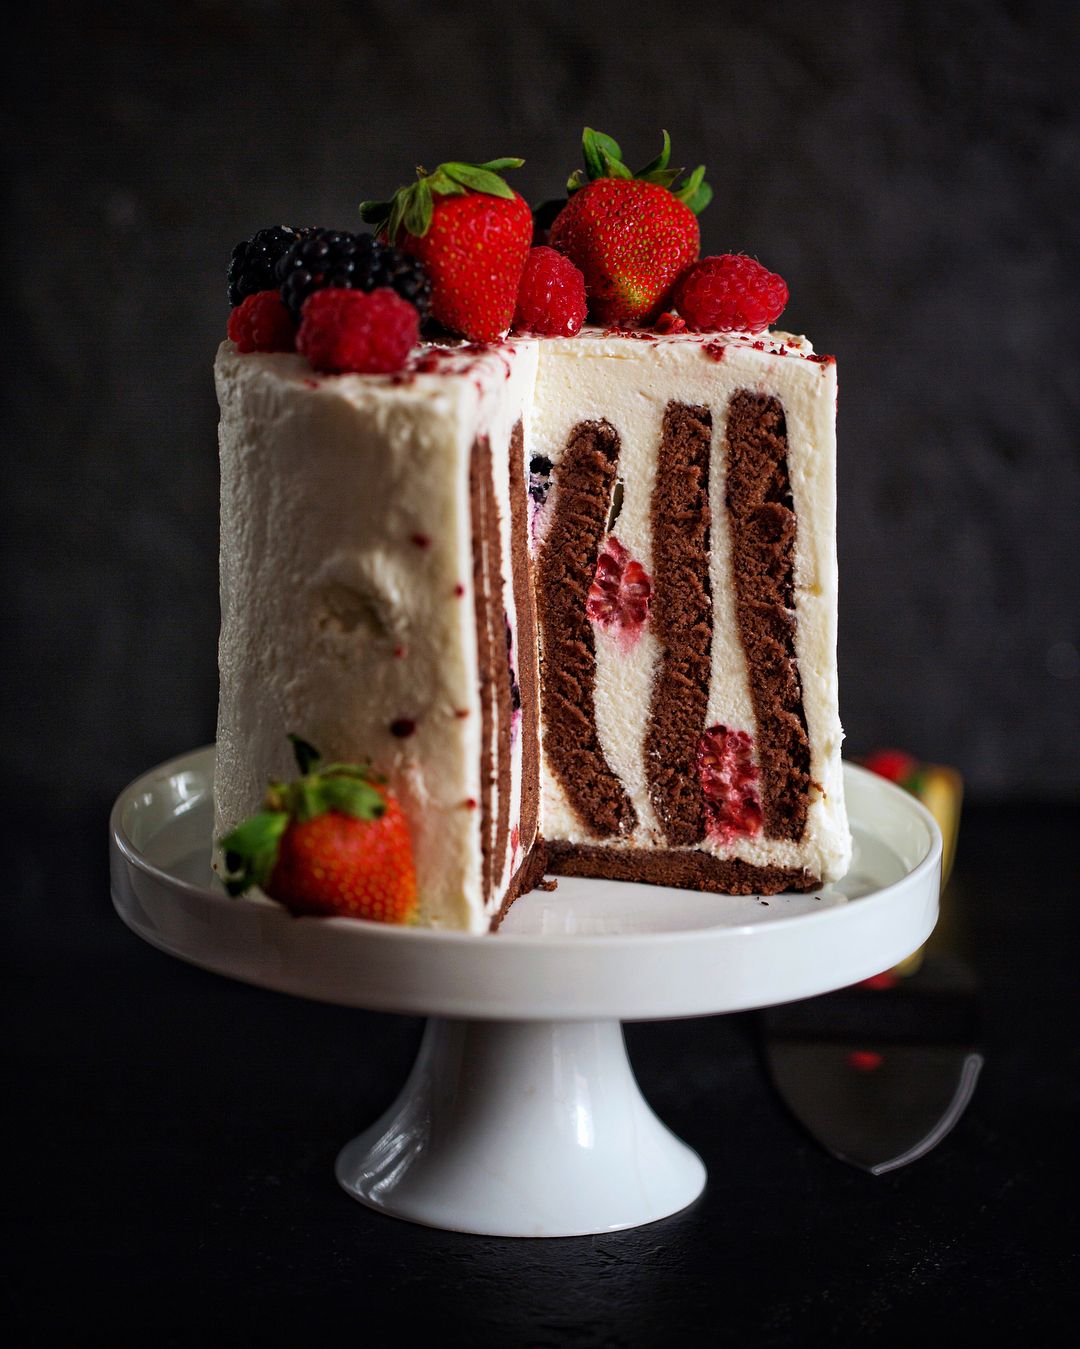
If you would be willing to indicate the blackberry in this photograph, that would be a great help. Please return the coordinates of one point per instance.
(539, 478)
(254, 261)
(325, 258)
(515, 687)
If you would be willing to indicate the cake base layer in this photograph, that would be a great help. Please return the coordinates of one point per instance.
(681, 869)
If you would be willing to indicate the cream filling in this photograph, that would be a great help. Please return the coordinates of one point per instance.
(630, 383)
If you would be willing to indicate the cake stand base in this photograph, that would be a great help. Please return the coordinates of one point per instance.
(522, 1129)
(522, 1116)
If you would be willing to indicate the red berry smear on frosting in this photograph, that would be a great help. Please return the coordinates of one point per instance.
(353, 331)
(260, 322)
(729, 783)
(669, 323)
(730, 293)
(618, 599)
(551, 297)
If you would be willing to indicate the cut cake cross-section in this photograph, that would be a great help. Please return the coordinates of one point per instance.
(575, 597)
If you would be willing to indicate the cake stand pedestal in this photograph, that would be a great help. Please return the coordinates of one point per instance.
(521, 1116)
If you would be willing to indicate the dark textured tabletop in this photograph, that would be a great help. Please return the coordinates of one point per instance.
(172, 1138)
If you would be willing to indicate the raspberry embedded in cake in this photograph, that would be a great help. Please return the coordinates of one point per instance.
(618, 599)
(729, 784)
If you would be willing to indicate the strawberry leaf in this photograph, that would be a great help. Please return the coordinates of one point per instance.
(397, 214)
(498, 165)
(603, 159)
(416, 216)
(700, 199)
(440, 183)
(251, 850)
(411, 208)
(695, 192)
(599, 151)
(304, 799)
(478, 179)
(614, 168)
(307, 756)
(352, 797)
(362, 771)
(662, 177)
(375, 212)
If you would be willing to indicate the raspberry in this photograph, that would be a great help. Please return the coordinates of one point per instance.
(369, 333)
(729, 777)
(730, 293)
(551, 295)
(619, 596)
(336, 260)
(253, 266)
(262, 323)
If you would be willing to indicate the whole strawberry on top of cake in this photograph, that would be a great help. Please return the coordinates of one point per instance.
(542, 531)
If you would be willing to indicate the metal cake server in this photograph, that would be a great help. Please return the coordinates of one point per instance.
(879, 1073)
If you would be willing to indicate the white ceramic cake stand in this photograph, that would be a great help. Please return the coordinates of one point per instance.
(521, 1116)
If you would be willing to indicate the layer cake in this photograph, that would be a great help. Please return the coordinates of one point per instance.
(575, 598)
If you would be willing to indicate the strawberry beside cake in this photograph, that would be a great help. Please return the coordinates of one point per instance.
(566, 593)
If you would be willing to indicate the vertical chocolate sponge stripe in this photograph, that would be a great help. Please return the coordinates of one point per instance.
(584, 479)
(763, 527)
(528, 669)
(681, 621)
(477, 501)
(492, 664)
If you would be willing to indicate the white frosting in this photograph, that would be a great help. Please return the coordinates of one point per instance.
(336, 622)
(325, 484)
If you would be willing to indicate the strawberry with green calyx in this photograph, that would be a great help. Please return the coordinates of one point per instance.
(333, 842)
(472, 232)
(631, 234)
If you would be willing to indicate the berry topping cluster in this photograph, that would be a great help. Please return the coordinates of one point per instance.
(465, 255)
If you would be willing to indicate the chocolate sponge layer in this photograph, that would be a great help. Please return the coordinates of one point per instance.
(763, 526)
(495, 695)
(584, 481)
(681, 620)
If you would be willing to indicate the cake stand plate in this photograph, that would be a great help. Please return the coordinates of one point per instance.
(521, 1116)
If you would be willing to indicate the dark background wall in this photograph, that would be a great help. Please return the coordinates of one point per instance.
(911, 169)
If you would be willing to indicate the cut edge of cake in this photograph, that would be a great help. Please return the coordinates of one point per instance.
(588, 628)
